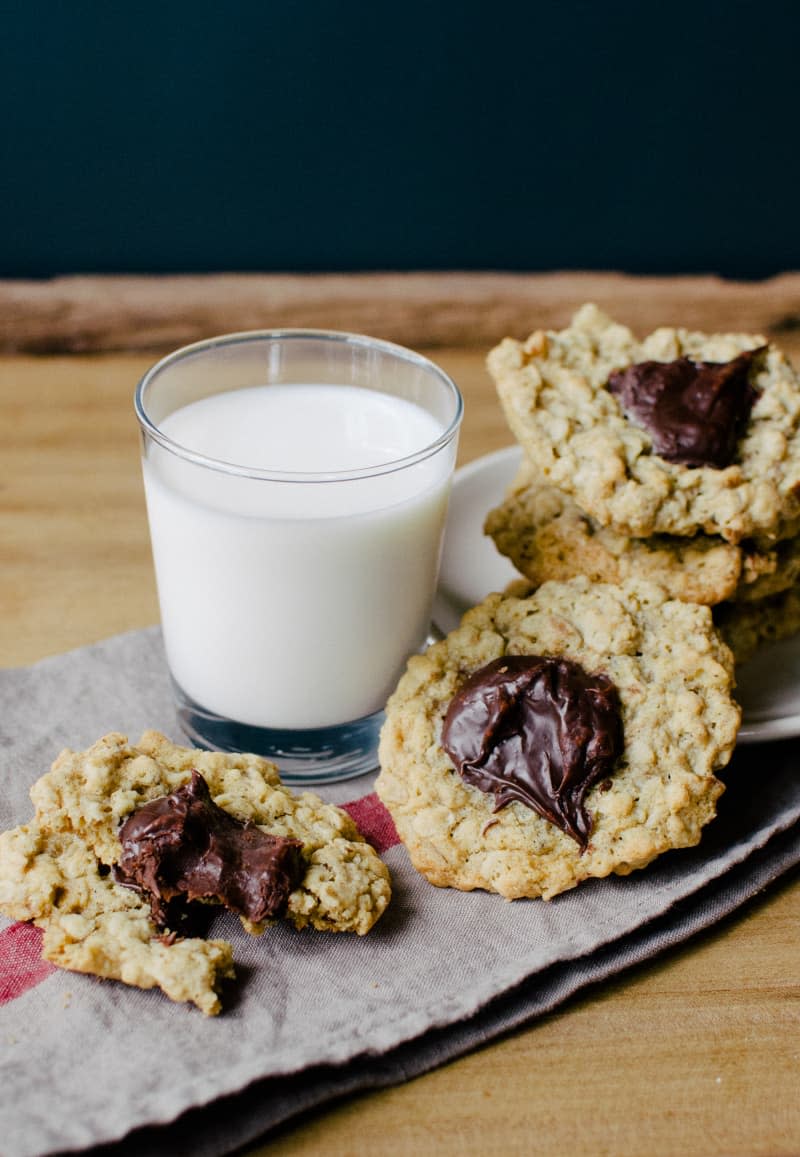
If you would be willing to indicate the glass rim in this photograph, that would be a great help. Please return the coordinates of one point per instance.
(402, 353)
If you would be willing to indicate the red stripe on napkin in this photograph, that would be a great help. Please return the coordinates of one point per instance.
(373, 821)
(21, 964)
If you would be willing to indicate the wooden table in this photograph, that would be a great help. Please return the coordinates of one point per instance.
(696, 1053)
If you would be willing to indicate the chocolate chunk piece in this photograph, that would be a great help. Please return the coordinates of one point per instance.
(183, 846)
(695, 412)
(537, 730)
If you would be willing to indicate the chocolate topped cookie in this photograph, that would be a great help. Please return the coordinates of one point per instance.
(571, 733)
(122, 832)
(678, 434)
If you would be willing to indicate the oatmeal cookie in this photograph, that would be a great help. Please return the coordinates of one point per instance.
(346, 885)
(554, 392)
(58, 870)
(547, 536)
(673, 677)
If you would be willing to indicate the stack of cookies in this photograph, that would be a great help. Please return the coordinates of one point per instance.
(573, 725)
(675, 459)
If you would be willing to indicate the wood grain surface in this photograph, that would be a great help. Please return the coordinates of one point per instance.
(78, 314)
(695, 1053)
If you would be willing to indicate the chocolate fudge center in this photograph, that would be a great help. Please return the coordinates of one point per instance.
(184, 846)
(540, 731)
(695, 412)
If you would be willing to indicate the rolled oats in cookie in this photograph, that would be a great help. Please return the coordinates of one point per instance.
(557, 392)
(121, 831)
(654, 789)
(547, 536)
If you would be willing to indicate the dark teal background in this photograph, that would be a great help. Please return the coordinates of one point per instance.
(351, 136)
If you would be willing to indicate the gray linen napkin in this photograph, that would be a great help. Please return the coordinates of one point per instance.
(315, 1016)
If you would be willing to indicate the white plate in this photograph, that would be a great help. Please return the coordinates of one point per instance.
(768, 686)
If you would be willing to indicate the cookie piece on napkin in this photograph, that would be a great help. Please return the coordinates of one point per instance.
(345, 887)
(59, 870)
(92, 924)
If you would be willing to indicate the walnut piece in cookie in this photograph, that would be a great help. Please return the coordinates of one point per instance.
(554, 389)
(674, 678)
(60, 869)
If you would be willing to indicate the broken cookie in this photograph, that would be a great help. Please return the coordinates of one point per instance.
(64, 870)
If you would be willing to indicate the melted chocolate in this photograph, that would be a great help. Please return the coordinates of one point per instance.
(695, 412)
(184, 847)
(537, 730)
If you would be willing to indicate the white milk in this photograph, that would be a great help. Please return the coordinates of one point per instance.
(294, 604)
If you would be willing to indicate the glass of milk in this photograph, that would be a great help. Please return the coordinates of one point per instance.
(297, 487)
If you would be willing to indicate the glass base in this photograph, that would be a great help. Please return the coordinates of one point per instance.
(317, 756)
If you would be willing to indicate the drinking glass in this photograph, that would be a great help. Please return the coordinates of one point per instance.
(296, 485)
